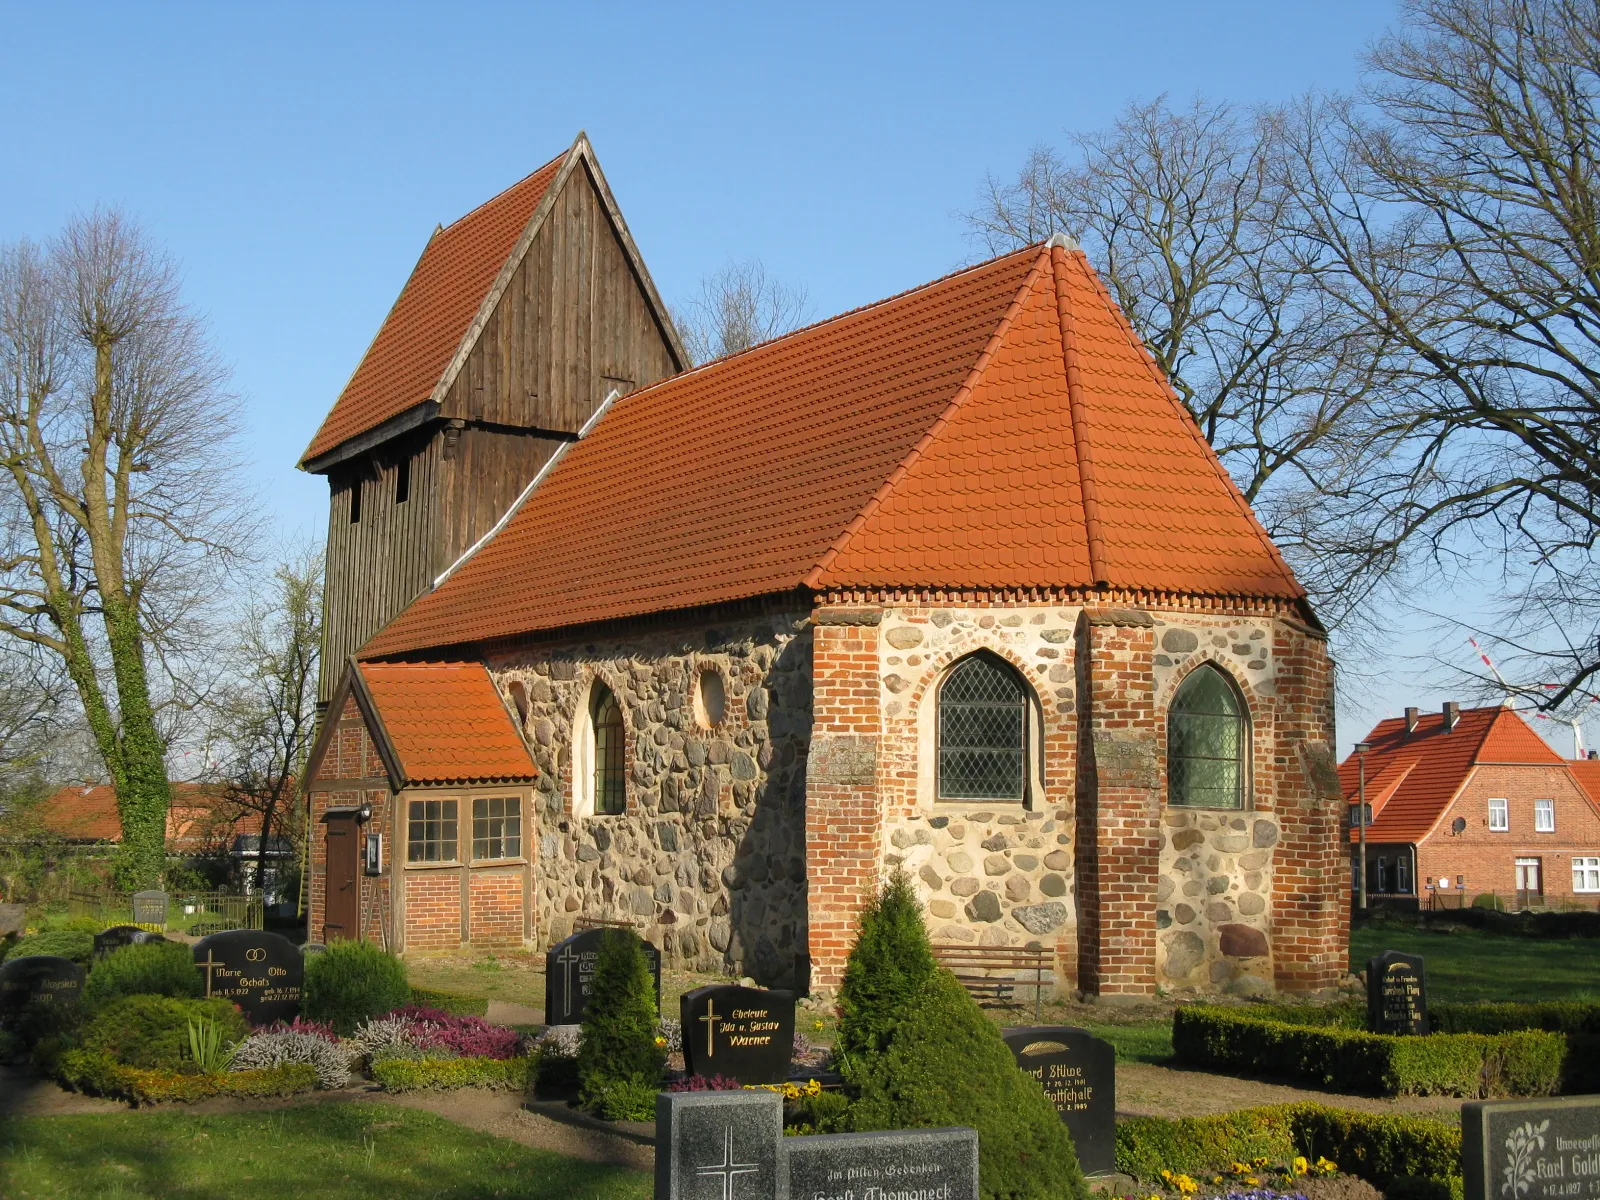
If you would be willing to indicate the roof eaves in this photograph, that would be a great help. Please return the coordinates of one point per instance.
(375, 726)
(1450, 802)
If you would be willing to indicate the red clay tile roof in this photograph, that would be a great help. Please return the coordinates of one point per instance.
(90, 813)
(424, 329)
(1411, 779)
(447, 723)
(928, 440)
(1587, 772)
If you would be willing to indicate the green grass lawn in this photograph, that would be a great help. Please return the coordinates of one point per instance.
(1147, 1041)
(330, 1151)
(1468, 965)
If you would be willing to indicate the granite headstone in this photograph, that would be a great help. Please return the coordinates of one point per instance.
(930, 1164)
(1547, 1149)
(122, 935)
(37, 981)
(718, 1145)
(569, 975)
(260, 972)
(150, 908)
(1078, 1071)
(1397, 994)
(13, 919)
(738, 1032)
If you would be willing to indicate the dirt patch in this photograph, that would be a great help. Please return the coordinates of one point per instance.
(1150, 1090)
(1339, 1187)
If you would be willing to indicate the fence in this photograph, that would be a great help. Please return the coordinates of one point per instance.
(196, 913)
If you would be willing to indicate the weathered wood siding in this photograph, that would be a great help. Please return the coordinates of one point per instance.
(485, 471)
(572, 324)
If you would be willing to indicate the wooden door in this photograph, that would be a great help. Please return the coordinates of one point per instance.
(342, 894)
(1530, 883)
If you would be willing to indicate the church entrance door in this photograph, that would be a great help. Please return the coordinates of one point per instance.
(342, 898)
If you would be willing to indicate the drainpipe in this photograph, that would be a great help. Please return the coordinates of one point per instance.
(1361, 818)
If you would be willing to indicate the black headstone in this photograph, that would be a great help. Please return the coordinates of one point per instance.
(1078, 1071)
(1546, 1149)
(150, 908)
(569, 973)
(122, 935)
(1397, 994)
(35, 982)
(924, 1163)
(13, 919)
(260, 972)
(718, 1145)
(742, 1033)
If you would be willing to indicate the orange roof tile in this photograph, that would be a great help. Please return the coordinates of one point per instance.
(924, 441)
(447, 723)
(423, 330)
(1587, 772)
(1412, 778)
(90, 813)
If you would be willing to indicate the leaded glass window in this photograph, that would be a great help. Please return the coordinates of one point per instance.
(983, 722)
(610, 780)
(1206, 740)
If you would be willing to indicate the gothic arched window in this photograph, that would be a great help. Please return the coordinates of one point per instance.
(1207, 733)
(610, 775)
(983, 731)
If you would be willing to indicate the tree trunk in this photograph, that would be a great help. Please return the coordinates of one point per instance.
(144, 795)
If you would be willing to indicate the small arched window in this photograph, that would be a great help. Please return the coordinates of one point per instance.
(610, 781)
(983, 724)
(1206, 739)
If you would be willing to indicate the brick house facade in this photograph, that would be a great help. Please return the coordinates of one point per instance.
(949, 584)
(1469, 802)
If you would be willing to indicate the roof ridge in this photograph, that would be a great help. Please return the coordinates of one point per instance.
(544, 166)
(962, 394)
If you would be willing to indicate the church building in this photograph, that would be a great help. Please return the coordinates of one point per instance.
(950, 583)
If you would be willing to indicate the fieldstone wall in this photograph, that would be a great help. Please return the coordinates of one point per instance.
(708, 857)
(1214, 898)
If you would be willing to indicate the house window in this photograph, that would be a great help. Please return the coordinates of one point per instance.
(431, 836)
(1586, 874)
(983, 721)
(497, 827)
(610, 780)
(1499, 815)
(1205, 742)
(1402, 875)
(1544, 816)
(1380, 875)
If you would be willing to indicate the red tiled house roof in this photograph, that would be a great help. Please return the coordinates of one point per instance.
(1412, 778)
(1587, 772)
(1001, 428)
(89, 814)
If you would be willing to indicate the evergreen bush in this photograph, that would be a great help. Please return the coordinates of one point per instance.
(153, 1031)
(150, 969)
(1490, 901)
(76, 944)
(945, 1064)
(890, 965)
(619, 1063)
(352, 982)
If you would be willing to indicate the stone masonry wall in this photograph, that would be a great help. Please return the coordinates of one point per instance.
(707, 859)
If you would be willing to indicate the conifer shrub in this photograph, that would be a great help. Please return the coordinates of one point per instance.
(153, 1031)
(619, 1063)
(149, 969)
(352, 982)
(945, 1064)
(76, 944)
(890, 965)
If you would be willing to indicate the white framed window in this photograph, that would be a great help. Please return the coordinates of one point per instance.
(1402, 875)
(1499, 814)
(1544, 816)
(1585, 874)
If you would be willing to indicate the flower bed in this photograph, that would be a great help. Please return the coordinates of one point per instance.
(98, 1074)
(434, 1074)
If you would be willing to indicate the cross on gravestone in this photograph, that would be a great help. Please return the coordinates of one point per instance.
(118, 936)
(1545, 1149)
(739, 1032)
(1078, 1071)
(260, 972)
(718, 1145)
(569, 968)
(150, 908)
(1397, 994)
(37, 981)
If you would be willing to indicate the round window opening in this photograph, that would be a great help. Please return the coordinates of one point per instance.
(710, 699)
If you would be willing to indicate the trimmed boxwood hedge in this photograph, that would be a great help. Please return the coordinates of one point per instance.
(98, 1074)
(1524, 1063)
(1393, 1152)
(454, 1003)
(413, 1075)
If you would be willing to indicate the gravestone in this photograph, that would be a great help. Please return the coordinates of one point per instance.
(743, 1033)
(37, 982)
(718, 1145)
(928, 1164)
(260, 972)
(1546, 1149)
(150, 908)
(1078, 1071)
(122, 935)
(13, 919)
(1397, 994)
(569, 973)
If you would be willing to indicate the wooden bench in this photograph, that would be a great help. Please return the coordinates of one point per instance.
(997, 972)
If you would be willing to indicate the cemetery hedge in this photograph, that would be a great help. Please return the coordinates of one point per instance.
(424, 1074)
(76, 944)
(99, 1074)
(352, 982)
(454, 1003)
(1417, 1157)
(154, 969)
(1521, 1063)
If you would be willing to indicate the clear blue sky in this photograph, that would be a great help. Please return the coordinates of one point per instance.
(296, 157)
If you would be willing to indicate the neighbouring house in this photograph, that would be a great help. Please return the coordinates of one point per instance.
(198, 819)
(950, 583)
(1469, 802)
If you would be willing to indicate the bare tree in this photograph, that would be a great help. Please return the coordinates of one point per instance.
(1453, 213)
(738, 307)
(116, 495)
(265, 719)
